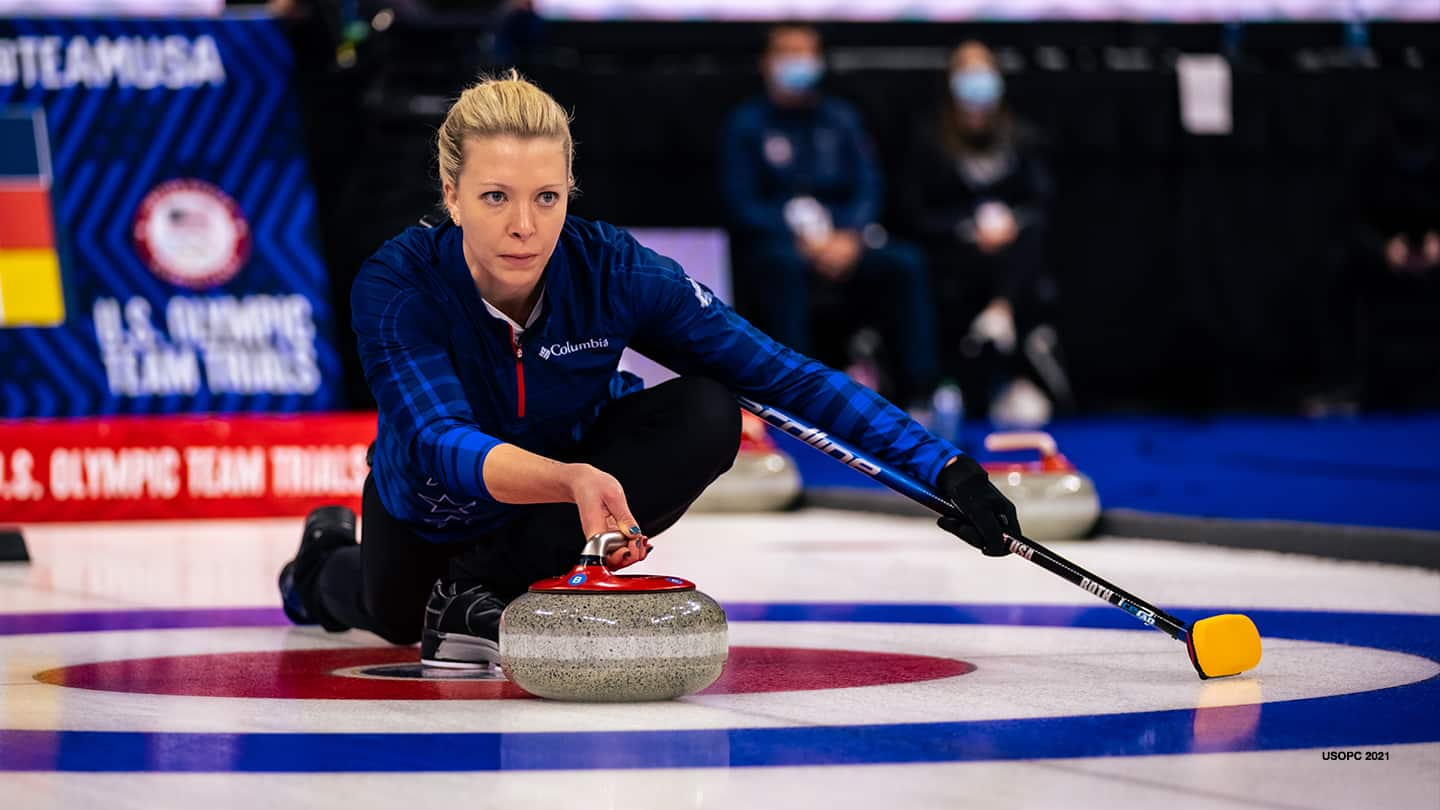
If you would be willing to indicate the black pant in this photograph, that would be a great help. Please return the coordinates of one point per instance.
(966, 280)
(664, 445)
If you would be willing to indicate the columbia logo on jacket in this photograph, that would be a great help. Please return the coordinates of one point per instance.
(562, 349)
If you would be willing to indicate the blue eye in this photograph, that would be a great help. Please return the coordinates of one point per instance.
(493, 197)
(549, 198)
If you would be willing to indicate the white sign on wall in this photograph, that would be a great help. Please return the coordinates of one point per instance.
(705, 255)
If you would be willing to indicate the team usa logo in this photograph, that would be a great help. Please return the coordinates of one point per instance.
(192, 234)
(778, 151)
(1019, 549)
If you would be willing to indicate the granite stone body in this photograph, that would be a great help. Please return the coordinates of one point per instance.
(613, 647)
(1051, 505)
(759, 481)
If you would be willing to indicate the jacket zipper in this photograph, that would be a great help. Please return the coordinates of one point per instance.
(519, 375)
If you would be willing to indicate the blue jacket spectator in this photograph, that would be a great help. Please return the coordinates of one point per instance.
(803, 192)
(774, 153)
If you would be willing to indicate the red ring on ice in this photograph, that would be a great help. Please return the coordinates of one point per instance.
(311, 674)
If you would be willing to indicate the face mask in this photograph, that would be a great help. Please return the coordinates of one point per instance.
(977, 88)
(796, 74)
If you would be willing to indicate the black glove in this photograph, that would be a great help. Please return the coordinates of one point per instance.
(988, 514)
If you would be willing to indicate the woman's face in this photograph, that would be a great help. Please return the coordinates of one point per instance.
(510, 203)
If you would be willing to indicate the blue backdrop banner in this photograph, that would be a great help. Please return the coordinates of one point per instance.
(180, 221)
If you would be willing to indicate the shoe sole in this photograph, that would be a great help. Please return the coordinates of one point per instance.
(452, 651)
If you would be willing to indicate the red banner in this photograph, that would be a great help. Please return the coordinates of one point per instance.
(120, 468)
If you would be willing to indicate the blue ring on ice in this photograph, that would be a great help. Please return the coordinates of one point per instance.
(1402, 714)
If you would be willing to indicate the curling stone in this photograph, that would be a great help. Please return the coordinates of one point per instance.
(763, 479)
(591, 635)
(1053, 500)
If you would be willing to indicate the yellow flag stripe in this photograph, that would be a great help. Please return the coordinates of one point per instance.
(30, 290)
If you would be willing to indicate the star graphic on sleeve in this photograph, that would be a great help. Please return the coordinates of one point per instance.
(445, 510)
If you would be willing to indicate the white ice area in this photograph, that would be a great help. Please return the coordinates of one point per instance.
(1266, 780)
(810, 556)
(1021, 672)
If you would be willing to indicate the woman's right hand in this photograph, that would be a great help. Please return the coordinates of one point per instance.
(601, 502)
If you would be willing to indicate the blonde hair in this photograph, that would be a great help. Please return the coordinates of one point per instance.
(506, 105)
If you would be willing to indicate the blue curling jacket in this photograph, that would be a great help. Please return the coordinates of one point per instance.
(452, 382)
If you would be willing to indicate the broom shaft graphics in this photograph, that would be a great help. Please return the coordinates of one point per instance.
(926, 496)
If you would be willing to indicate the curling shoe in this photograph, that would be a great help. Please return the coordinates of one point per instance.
(326, 529)
(462, 627)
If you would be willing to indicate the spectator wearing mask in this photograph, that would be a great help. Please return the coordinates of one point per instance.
(803, 192)
(977, 192)
(1394, 250)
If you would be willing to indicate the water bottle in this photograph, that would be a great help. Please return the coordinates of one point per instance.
(949, 409)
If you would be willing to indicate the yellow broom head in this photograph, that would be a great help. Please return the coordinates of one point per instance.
(1222, 645)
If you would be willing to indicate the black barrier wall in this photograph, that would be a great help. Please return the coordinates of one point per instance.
(1199, 273)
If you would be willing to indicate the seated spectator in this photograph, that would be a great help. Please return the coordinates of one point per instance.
(977, 191)
(1395, 260)
(803, 191)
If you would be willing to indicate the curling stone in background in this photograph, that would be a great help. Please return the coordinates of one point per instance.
(1053, 500)
(763, 478)
(591, 635)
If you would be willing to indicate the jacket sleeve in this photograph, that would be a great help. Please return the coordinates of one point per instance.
(681, 324)
(402, 350)
(740, 188)
(863, 205)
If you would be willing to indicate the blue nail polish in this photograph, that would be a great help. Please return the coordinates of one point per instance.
(634, 529)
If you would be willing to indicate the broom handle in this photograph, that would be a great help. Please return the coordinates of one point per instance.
(926, 496)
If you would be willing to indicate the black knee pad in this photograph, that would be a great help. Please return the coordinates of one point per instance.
(331, 526)
(327, 530)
